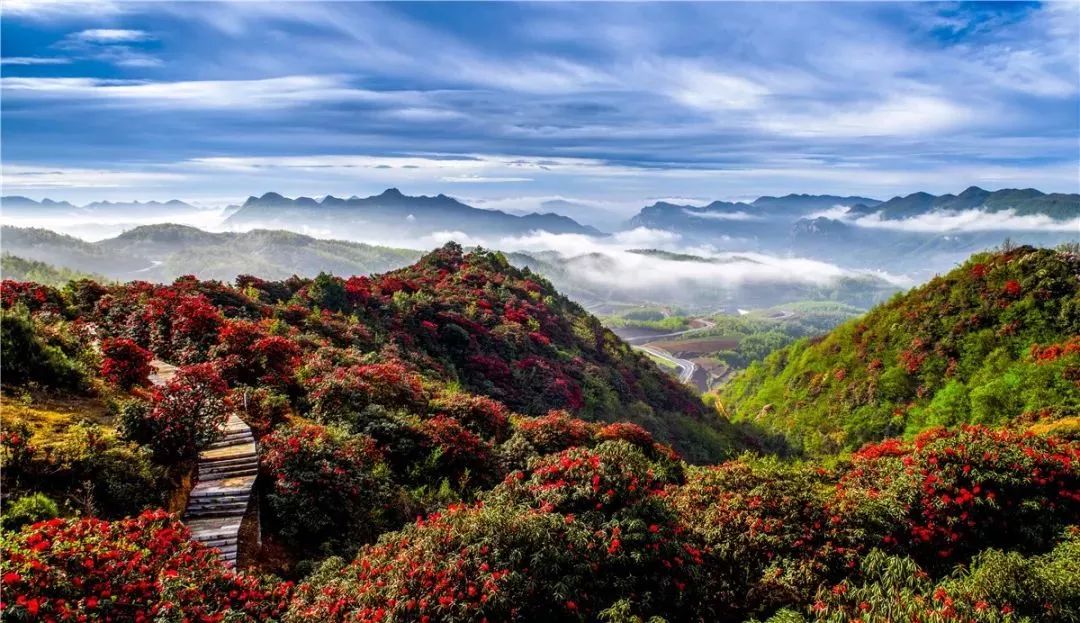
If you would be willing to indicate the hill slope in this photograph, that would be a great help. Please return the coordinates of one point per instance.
(166, 251)
(994, 340)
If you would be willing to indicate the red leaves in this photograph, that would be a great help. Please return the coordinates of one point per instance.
(1012, 289)
(125, 363)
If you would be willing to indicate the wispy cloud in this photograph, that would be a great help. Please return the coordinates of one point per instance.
(280, 92)
(34, 60)
(950, 221)
(20, 177)
(109, 35)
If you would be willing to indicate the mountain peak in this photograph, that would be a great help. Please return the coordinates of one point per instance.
(391, 193)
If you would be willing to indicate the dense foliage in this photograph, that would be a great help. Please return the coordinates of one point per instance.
(456, 442)
(992, 342)
(139, 569)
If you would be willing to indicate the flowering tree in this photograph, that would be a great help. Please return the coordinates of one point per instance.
(137, 569)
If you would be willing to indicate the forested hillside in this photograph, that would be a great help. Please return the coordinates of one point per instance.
(450, 442)
(995, 341)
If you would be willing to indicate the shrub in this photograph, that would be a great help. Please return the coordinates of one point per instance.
(458, 453)
(949, 494)
(141, 568)
(554, 432)
(484, 416)
(769, 537)
(183, 416)
(524, 554)
(329, 487)
(342, 394)
(28, 357)
(124, 363)
(27, 510)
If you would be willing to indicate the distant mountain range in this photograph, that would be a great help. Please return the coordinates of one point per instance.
(396, 216)
(919, 232)
(164, 252)
(916, 232)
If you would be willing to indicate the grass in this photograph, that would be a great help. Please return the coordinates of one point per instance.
(50, 417)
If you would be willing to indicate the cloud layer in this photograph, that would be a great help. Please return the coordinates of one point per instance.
(715, 100)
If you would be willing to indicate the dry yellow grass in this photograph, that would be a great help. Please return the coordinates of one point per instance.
(50, 417)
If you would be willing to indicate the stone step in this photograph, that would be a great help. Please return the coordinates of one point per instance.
(230, 458)
(229, 442)
(222, 542)
(246, 461)
(219, 503)
(234, 471)
(219, 499)
(201, 493)
(209, 513)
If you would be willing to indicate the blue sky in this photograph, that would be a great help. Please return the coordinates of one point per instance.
(510, 105)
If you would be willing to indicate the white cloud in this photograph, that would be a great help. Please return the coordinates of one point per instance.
(27, 177)
(898, 115)
(109, 35)
(480, 179)
(723, 216)
(59, 9)
(33, 60)
(280, 92)
(702, 88)
(948, 221)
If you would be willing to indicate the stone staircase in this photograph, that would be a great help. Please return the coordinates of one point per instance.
(224, 482)
(226, 478)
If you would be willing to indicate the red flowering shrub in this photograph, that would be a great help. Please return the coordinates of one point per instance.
(124, 363)
(1012, 289)
(458, 452)
(343, 393)
(328, 486)
(951, 493)
(480, 414)
(768, 534)
(181, 417)
(521, 556)
(34, 296)
(261, 408)
(143, 568)
(554, 432)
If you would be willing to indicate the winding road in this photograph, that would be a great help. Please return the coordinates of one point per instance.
(686, 367)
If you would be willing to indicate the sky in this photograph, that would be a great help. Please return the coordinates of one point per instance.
(601, 107)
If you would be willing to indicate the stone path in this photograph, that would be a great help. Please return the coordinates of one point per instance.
(225, 480)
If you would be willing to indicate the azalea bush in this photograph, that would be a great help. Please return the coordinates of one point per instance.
(137, 569)
(181, 417)
(581, 531)
(484, 416)
(329, 487)
(950, 493)
(124, 363)
(342, 394)
(769, 535)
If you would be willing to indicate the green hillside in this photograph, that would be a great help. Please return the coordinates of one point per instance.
(991, 342)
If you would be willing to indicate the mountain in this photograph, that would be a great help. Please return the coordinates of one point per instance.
(20, 269)
(164, 252)
(992, 342)
(14, 205)
(395, 216)
(1024, 202)
(794, 203)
